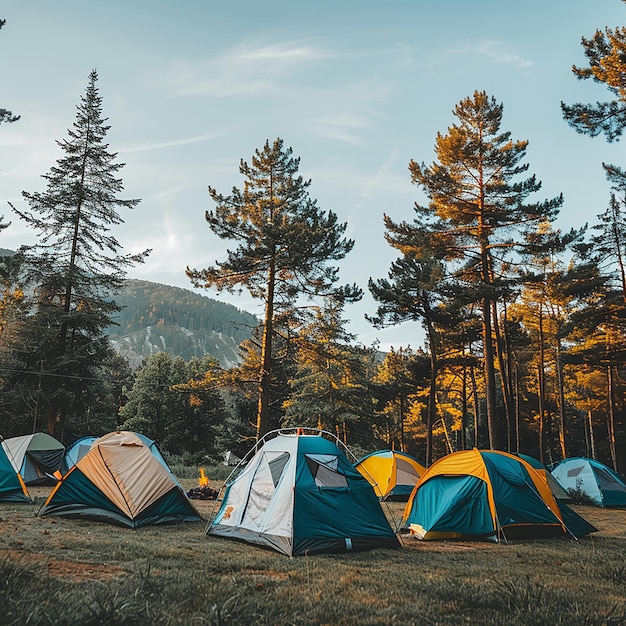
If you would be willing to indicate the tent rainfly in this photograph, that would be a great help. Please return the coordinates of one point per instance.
(122, 481)
(80, 447)
(393, 474)
(37, 457)
(555, 486)
(487, 495)
(299, 494)
(604, 486)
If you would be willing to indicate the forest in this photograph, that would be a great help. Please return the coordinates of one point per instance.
(525, 324)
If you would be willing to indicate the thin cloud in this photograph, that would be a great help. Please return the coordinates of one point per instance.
(494, 51)
(251, 67)
(174, 143)
(287, 52)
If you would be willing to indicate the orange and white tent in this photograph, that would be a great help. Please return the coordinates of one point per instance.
(121, 481)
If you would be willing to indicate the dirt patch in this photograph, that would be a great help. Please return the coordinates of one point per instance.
(70, 570)
(83, 571)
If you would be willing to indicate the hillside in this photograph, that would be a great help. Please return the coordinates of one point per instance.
(161, 318)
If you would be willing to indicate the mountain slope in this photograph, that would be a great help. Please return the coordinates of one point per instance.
(162, 318)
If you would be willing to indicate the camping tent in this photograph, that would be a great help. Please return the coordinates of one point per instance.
(12, 487)
(121, 481)
(555, 486)
(299, 494)
(75, 452)
(489, 495)
(598, 481)
(392, 474)
(80, 447)
(37, 457)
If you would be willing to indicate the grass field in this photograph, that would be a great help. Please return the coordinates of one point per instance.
(74, 572)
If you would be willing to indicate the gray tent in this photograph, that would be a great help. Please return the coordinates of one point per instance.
(37, 457)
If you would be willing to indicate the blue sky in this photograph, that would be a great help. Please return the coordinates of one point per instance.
(356, 88)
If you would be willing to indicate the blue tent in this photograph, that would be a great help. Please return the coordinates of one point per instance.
(75, 452)
(606, 487)
(487, 494)
(299, 494)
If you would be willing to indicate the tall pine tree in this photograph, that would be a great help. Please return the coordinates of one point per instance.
(478, 210)
(77, 266)
(286, 244)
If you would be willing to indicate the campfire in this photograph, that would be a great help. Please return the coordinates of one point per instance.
(203, 491)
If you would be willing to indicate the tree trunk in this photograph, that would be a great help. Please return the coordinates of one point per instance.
(475, 402)
(265, 375)
(611, 414)
(561, 392)
(430, 417)
(592, 440)
(464, 411)
(504, 378)
(541, 389)
(490, 375)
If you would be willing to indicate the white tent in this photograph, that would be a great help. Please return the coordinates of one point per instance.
(299, 494)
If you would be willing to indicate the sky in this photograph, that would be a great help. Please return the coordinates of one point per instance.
(357, 88)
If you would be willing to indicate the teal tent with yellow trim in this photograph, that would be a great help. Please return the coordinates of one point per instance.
(487, 494)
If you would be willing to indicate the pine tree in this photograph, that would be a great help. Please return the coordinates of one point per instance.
(477, 208)
(285, 245)
(176, 403)
(413, 291)
(329, 387)
(76, 267)
(606, 53)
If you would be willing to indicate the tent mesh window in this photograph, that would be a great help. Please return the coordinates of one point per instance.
(277, 465)
(323, 467)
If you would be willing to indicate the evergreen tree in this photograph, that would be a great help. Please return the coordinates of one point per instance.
(76, 267)
(394, 385)
(478, 210)
(606, 54)
(329, 388)
(413, 292)
(176, 403)
(285, 245)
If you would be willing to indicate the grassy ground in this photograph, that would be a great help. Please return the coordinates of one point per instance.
(74, 572)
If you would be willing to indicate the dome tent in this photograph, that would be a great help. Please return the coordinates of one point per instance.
(606, 487)
(76, 451)
(80, 447)
(37, 457)
(487, 494)
(121, 481)
(393, 474)
(299, 494)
